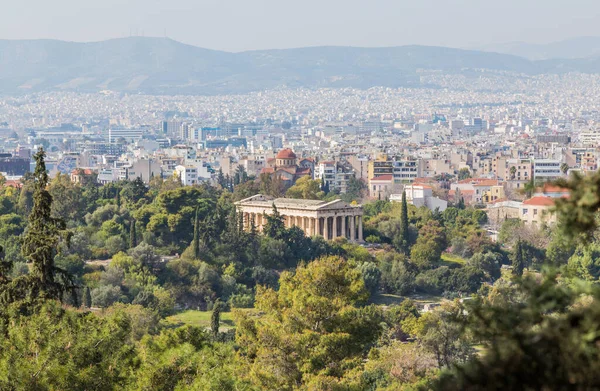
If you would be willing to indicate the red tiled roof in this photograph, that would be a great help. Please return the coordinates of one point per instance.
(550, 188)
(462, 192)
(386, 177)
(13, 183)
(478, 181)
(286, 153)
(539, 201)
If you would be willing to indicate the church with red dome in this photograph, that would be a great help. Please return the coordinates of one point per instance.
(288, 167)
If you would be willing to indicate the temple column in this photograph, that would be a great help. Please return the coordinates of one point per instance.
(360, 229)
(335, 226)
(344, 226)
(326, 228)
(352, 229)
(312, 228)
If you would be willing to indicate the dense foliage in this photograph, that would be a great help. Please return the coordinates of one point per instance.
(307, 314)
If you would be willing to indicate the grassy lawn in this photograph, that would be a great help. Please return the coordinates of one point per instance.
(202, 319)
(389, 299)
(452, 260)
(199, 318)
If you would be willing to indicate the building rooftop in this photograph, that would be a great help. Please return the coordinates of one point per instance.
(294, 203)
(539, 201)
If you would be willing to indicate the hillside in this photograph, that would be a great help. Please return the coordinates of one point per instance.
(164, 66)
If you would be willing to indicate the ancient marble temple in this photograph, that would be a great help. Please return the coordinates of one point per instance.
(329, 219)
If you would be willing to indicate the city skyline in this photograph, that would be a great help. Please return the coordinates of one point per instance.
(238, 26)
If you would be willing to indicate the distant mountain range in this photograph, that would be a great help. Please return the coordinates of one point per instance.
(164, 66)
(573, 48)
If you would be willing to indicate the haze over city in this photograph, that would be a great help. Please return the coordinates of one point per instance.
(239, 25)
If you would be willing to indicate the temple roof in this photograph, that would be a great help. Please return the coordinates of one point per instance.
(264, 201)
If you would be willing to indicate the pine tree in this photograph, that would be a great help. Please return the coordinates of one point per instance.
(197, 234)
(275, 227)
(215, 318)
(87, 298)
(132, 235)
(42, 238)
(404, 224)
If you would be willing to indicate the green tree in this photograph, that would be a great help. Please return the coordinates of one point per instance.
(197, 234)
(215, 318)
(535, 335)
(443, 337)
(305, 188)
(275, 226)
(132, 235)
(42, 239)
(133, 191)
(430, 244)
(404, 231)
(519, 258)
(87, 298)
(313, 331)
(464, 173)
(67, 198)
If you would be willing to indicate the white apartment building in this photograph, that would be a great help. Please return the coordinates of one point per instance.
(405, 170)
(325, 171)
(546, 170)
(129, 135)
(590, 137)
(187, 174)
(336, 175)
(421, 195)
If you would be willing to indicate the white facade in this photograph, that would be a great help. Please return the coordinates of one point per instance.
(130, 135)
(187, 174)
(405, 170)
(546, 169)
(419, 195)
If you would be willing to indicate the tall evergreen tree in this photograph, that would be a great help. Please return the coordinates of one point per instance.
(197, 234)
(87, 298)
(519, 258)
(132, 235)
(42, 238)
(404, 224)
(215, 318)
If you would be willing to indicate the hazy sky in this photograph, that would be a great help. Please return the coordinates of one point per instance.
(236, 25)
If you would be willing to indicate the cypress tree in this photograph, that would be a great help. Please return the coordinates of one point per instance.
(404, 223)
(132, 235)
(118, 198)
(42, 238)
(197, 234)
(518, 261)
(87, 298)
(215, 318)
